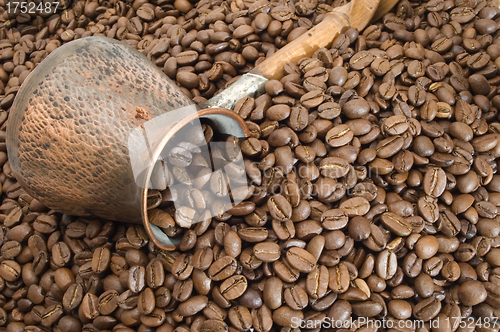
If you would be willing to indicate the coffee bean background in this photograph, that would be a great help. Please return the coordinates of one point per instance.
(373, 169)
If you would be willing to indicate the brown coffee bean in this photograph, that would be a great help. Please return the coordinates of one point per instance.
(396, 223)
(267, 251)
(61, 254)
(317, 282)
(233, 287)
(386, 264)
(334, 219)
(285, 271)
(434, 182)
(146, 301)
(273, 293)
(262, 318)
(301, 259)
(428, 208)
(451, 271)
(202, 258)
(339, 278)
(192, 306)
(155, 274)
(154, 319)
(285, 316)
(252, 298)
(339, 135)
(333, 167)
(353, 109)
(361, 60)
(253, 234)
(427, 309)
(162, 297)
(472, 292)
(278, 112)
(312, 98)
(101, 259)
(90, 306)
(232, 244)
(426, 247)
(52, 315)
(298, 119)
(356, 206)
(400, 309)
(73, 296)
(10, 270)
(449, 224)
(240, 317)
(296, 297)
(108, 302)
(222, 268)
(136, 278)
(279, 207)
(367, 308)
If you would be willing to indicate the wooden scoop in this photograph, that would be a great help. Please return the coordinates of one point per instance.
(356, 14)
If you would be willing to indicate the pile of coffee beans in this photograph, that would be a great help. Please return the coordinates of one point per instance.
(203, 173)
(372, 167)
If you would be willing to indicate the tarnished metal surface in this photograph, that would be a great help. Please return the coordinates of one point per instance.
(250, 85)
(71, 140)
(69, 124)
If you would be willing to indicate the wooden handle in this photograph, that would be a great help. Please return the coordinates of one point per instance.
(319, 36)
(383, 8)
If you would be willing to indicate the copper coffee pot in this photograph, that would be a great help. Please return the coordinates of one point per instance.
(87, 129)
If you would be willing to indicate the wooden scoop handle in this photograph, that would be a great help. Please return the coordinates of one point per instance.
(317, 37)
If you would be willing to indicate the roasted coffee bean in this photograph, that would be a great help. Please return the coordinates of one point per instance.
(339, 135)
(108, 302)
(240, 317)
(434, 182)
(90, 306)
(396, 223)
(386, 264)
(136, 278)
(356, 206)
(285, 316)
(267, 251)
(427, 309)
(101, 259)
(233, 287)
(334, 219)
(472, 292)
(333, 167)
(426, 247)
(52, 315)
(273, 293)
(192, 306)
(155, 274)
(154, 319)
(253, 234)
(279, 207)
(301, 259)
(262, 318)
(222, 268)
(372, 167)
(295, 297)
(339, 278)
(428, 208)
(73, 296)
(354, 109)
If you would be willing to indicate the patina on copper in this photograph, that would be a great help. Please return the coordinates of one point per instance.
(69, 127)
